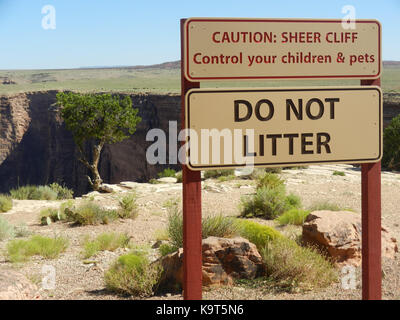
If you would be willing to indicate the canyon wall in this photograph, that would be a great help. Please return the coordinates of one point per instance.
(36, 148)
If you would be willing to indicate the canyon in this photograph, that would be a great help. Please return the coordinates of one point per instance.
(36, 148)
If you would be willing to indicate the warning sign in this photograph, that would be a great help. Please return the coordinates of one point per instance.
(279, 127)
(280, 48)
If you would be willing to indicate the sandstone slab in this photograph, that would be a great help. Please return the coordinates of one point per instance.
(223, 261)
(338, 233)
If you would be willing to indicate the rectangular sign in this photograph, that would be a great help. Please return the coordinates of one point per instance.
(223, 49)
(273, 127)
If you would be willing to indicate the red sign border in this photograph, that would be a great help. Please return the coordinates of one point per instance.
(188, 21)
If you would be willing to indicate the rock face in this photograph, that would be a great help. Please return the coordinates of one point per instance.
(338, 233)
(223, 261)
(15, 286)
(36, 148)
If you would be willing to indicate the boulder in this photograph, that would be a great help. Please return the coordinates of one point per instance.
(223, 261)
(338, 233)
(15, 286)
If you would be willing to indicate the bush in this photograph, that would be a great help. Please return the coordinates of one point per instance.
(218, 173)
(391, 145)
(260, 172)
(266, 203)
(293, 201)
(325, 205)
(23, 193)
(293, 267)
(257, 233)
(51, 192)
(175, 226)
(226, 178)
(49, 215)
(7, 230)
(22, 231)
(217, 226)
(166, 248)
(293, 216)
(43, 193)
(338, 173)
(89, 213)
(63, 193)
(129, 208)
(269, 180)
(48, 248)
(167, 173)
(105, 241)
(5, 203)
(133, 274)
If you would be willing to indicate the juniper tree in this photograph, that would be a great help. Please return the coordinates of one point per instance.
(97, 119)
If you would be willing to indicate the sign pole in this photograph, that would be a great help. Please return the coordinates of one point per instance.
(191, 197)
(371, 225)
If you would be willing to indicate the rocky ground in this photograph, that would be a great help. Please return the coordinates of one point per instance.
(77, 280)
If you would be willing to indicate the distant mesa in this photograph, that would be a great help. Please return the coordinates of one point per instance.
(391, 63)
(166, 65)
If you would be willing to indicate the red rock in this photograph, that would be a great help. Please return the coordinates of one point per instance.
(338, 233)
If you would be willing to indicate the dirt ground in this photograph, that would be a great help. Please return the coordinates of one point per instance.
(77, 280)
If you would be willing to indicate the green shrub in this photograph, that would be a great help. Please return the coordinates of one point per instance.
(269, 180)
(22, 231)
(325, 205)
(338, 173)
(154, 181)
(128, 206)
(7, 230)
(133, 274)
(48, 248)
(217, 226)
(43, 193)
(257, 233)
(293, 216)
(293, 267)
(66, 205)
(293, 201)
(49, 215)
(226, 178)
(5, 203)
(175, 226)
(167, 173)
(63, 193)
(105, 241)
(51, 192)
(166, 248)
(391, 145)
(218, 173)
(266, 203)
(89, 213)
(23, 193)
(260, 172)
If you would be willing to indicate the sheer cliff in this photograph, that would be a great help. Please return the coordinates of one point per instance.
(36, 148)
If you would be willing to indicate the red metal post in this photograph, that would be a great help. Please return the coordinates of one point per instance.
(191, 197)
(371, 225)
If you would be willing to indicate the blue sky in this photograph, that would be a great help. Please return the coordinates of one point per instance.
(132, 32)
